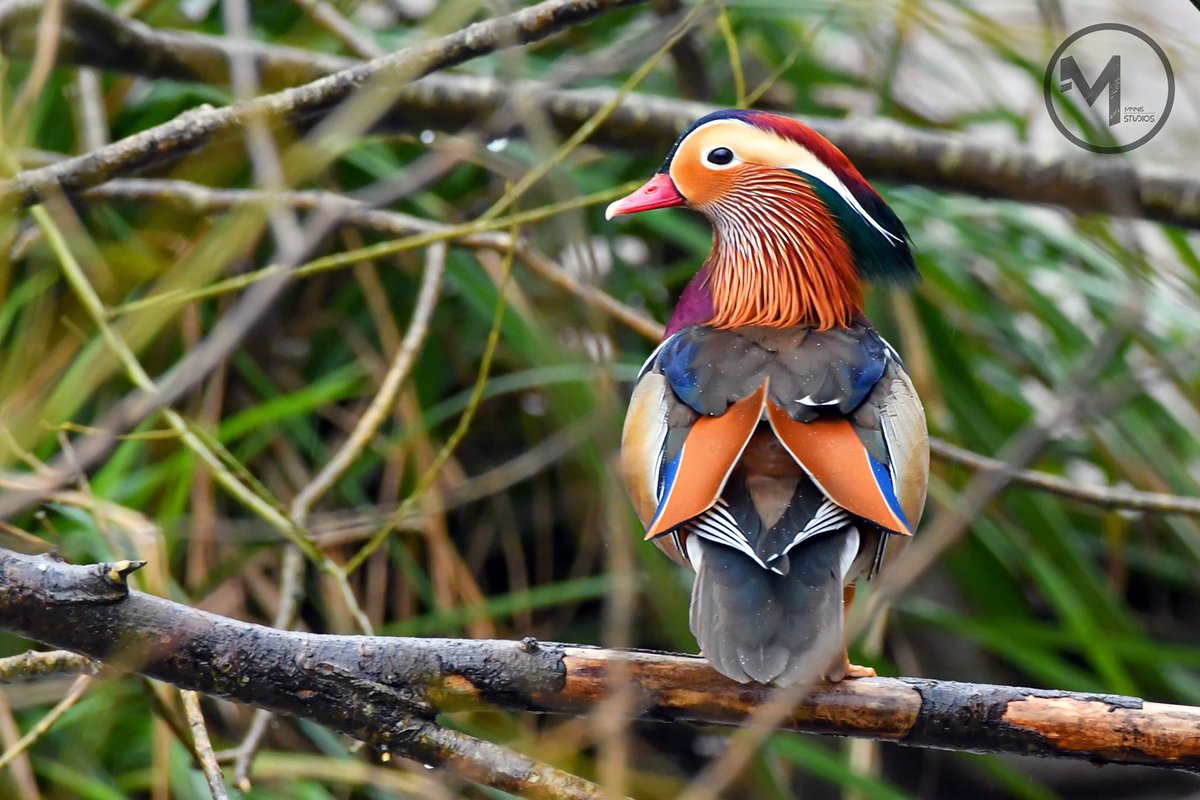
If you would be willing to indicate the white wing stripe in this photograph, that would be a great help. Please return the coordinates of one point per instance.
(718, 525)
(648, 364)
(849, 551)
(829, 517)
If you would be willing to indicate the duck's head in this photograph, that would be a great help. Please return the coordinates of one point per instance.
(796, 226)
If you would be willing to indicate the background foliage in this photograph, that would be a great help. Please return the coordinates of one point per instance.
(524, 531)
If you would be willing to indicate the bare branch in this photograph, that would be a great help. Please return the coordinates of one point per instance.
(883, 150)
(227, 658)
(1104, 496)
(38, 664)
(201, 125)
(386, 690)
(203, 746)
(202, 200)
(381, 405)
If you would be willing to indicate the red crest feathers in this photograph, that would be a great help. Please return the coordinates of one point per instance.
(817, 144)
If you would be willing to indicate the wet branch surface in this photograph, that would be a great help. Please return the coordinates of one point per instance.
(387, 691)
(360, 686)
(885, 151)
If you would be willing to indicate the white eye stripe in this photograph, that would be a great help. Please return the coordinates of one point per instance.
(814, 168)
(802, 160)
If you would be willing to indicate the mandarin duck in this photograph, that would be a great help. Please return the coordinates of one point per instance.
(774, 442)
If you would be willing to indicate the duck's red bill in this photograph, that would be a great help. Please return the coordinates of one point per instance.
(658, 192)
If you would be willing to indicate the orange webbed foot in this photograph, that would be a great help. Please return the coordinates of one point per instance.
(842, 669)
(852, 670)
(855, 671)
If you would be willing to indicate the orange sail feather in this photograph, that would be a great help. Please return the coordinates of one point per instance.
(711, 450)
(835, 458)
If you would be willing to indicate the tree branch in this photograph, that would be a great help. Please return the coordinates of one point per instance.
(199, 126)
(203, 745)
(226, 658)
(386, 691)
(1104, 496)
(196, 127)
(38, 664)
(883, 150)
(196, 199)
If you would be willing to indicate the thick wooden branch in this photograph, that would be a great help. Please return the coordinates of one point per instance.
(885, 151)
(262, 667)
(198, 126)
(386, 691)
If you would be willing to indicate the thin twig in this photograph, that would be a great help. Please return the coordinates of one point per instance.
(265, 160)
(592, 296)
(38, 664)
(203, 200)
(161, 700)
(786, 64)
(34, 543)
(383, 401)
(329, 18)
(354, 773)
(203, 746)
(464, 423)
(20, 769)
(44, 724)
(93, 125)
(1104, 496)
(725, 25)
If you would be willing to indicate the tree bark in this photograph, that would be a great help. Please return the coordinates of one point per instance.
(886, 151)
(386, 691)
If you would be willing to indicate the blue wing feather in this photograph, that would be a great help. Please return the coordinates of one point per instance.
(669, 473)
(883, 477)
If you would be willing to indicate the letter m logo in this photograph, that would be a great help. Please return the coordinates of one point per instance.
(1070, 75)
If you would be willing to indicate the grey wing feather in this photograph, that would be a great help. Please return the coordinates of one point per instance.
(891, 423)
(907, 437)
(755, 625)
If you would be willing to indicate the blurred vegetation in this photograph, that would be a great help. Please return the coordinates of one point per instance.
(1042, 591)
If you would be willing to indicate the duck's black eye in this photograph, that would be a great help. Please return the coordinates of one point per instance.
(720, 156)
